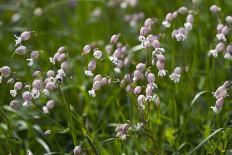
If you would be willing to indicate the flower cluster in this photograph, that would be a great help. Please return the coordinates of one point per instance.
(40, 84)
(223, 30)
(121, 131)
(220, 95)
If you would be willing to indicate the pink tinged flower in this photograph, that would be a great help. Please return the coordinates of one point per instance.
(56, 56)
(50, 73)
(149, 22)
(104, 81)
(121, 131)
(228, 19)
(190, 18)
(220, 92)
(175, 76)
(220, 27)
(62, 57)
(91, 67)
(14, 104)
(144, 31)
(169, 17)
(5, 71)
(175, 14)
(21, 50)
(156, 44)
(25, 35)
(114, 38)
(141, 67)
(150, 78)
(97, 54)
(137, 75)
(108, 48)
(65, 66)
(34, 54)
(160, 66)
(50, 85)
(17, 86)
(183, 10)
(86, 49)
(215, 9)
(137, 90)
(218, 106)
(77, 150)
(219, 47)
(149, 91)
(228, 54)
(141, 99)
(225, 30)
(98, 77)
(50, 104)
(27, 97)
(61, 49)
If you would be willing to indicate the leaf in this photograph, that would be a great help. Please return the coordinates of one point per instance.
(205, 140)
(197, 96)
(43, 143)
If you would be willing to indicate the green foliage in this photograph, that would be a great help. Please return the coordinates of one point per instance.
(182, 124)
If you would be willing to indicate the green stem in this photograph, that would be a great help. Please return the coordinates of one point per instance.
(69, 116)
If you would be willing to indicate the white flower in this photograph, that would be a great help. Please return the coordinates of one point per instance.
(89, 73)
(158, 51)
(52, 61)
(221, 37)
(30, 62)
(175, 77)
(18, 40)
(215, 109)
(92, 93)
(180, 37)
(213, 53)
(162, 73)
(13, 93)
(228, 56)
(166, 24)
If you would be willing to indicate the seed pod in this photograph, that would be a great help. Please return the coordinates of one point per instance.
(183, 10)
(144, 31)
(50, 73)
(156, 44)
(96, 85)
(37, 84)
(65, 66)
(104, 81)
(169, 17)
(219, 47)
(18, 85)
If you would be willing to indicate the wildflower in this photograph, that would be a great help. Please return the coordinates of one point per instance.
(228, 19)
(77, 150)
(183, 10)
(96, 85)
(50, 73)
(34, 55)
(137, 75)
(149, 22)
(36, 87)
(137, 90)
(175, 76)
(218, 105)
(14, 104)
(5, 72)
(21, 50)
(23, 37)
(91, 67)
(86, 49)
(141, 100)
(97, 54)
(228, 54)
(160, 65)
(221, 37)
(27, 97)
(121, 131)
(17, 86)
(166, 24)
(114, 38)
(11, 81)
(215, 9)
(158, 51)
(62, 57)
(140, 67)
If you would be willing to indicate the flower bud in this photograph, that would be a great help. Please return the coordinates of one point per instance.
(34, 54)
(14, 104)
(21, 50)
(183, 10)
(92, 65)
(77, 150)
(215, 9)
(86, 49)
(97, 54)
(50, 104)
(114, 38)
(150, 78)
(25, 35)
(5, 71)
(137, 90)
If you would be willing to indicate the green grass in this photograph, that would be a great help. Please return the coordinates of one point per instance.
(184, 122)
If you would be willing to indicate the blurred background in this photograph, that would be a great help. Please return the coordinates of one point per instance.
(175, 128)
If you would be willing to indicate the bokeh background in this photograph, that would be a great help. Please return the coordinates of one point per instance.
(175, 127)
